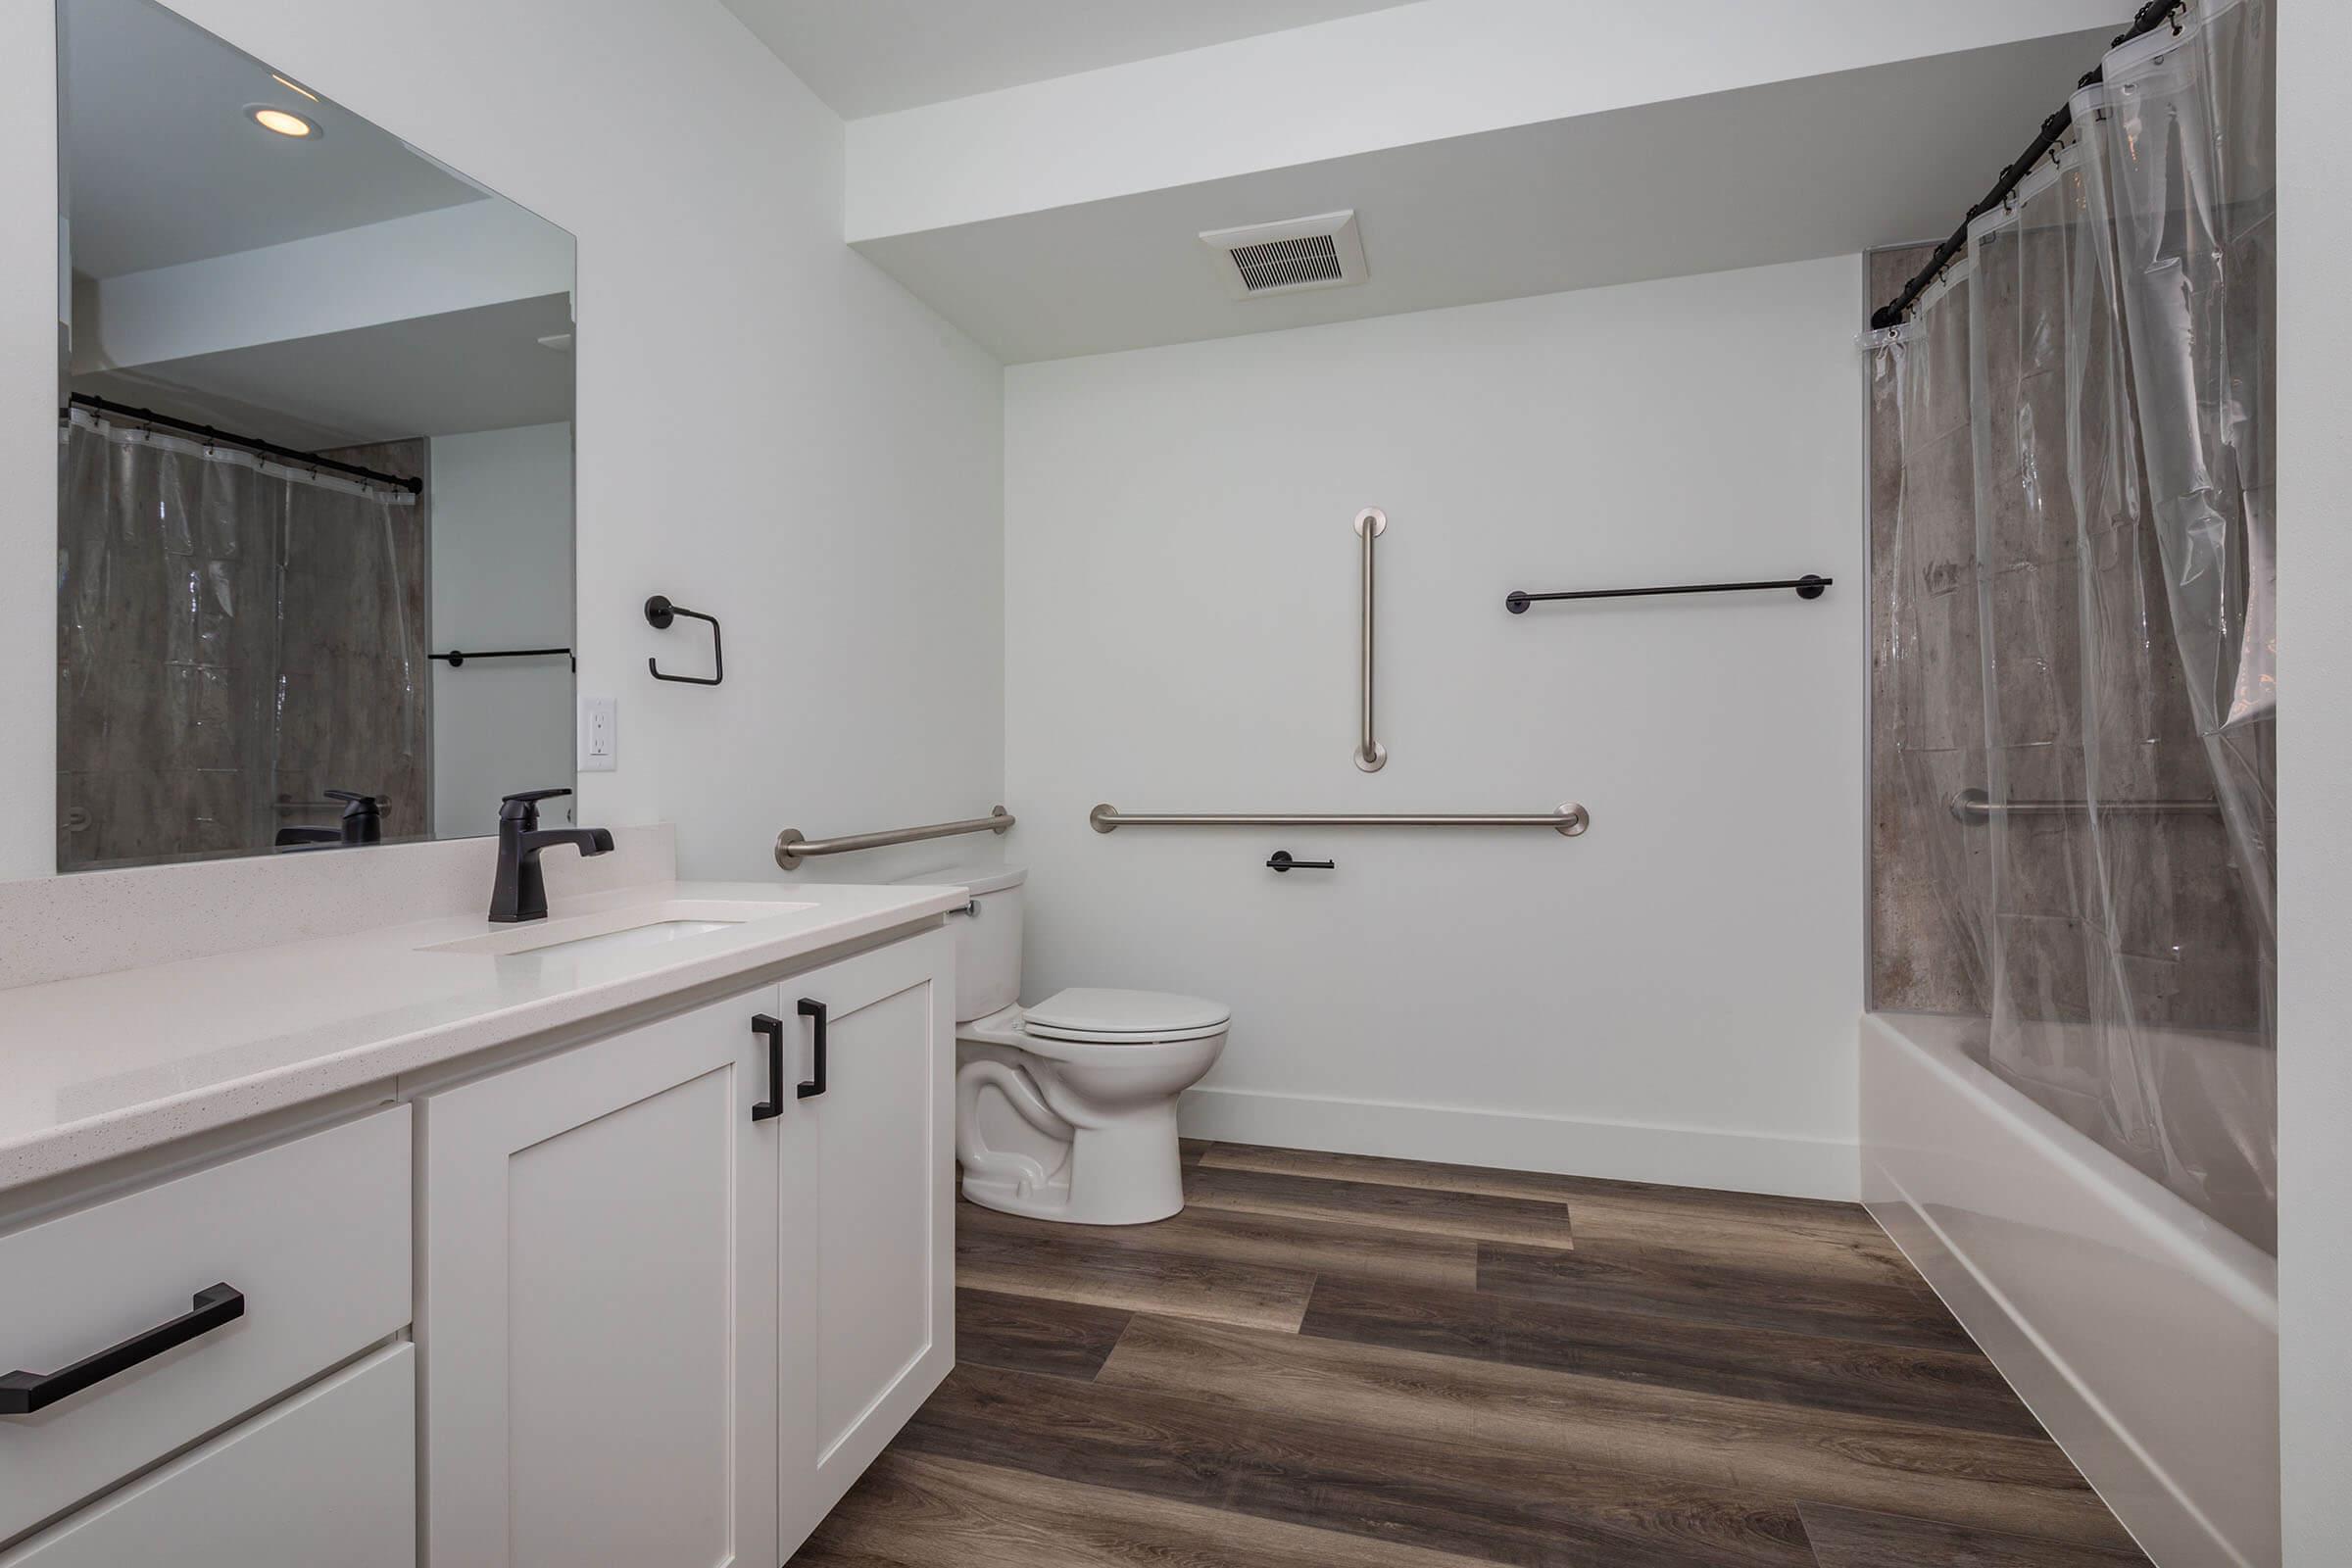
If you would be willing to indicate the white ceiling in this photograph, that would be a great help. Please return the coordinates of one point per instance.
(461, 370)
(868, 57)
(1822, 166)
(162, 165)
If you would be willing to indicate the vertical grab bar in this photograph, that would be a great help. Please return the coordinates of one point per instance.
(1370, 754)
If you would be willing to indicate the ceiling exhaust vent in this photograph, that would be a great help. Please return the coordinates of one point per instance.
(1324, 252)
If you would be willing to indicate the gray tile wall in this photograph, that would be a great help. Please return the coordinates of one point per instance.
(1921, 958)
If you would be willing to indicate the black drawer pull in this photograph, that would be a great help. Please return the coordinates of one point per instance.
(773, 1105)
(23, 1393)
(817, 1085)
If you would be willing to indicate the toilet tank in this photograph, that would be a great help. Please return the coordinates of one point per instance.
(988, 940)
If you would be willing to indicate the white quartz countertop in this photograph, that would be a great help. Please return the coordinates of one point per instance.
(110, 1064)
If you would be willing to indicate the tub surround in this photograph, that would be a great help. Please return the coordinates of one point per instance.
(183, 1042)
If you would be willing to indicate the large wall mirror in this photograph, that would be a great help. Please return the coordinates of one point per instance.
(315, 467)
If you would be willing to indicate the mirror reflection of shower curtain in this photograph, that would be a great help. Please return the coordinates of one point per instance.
(233, 638)
(2106, 623)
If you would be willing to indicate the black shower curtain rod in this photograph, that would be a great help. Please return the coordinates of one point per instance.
(308, 459)
(2155, 14)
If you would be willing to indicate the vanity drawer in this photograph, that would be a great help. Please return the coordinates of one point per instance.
(312, 1240)
(327, 1477)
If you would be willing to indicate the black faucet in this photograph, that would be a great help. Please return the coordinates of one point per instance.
(520, 891)
(362, 823)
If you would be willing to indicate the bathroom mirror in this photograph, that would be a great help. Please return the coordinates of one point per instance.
(315, 467)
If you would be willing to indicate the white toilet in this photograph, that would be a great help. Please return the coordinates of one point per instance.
(1066, 1110)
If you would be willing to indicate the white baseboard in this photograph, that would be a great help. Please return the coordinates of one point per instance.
(1620, 1151)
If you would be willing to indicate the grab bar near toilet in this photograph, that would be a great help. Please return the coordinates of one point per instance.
(792, 848)
(1569, 820)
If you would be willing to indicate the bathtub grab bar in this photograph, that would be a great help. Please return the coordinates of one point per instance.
(1568, 821)
(792, 849)
(1976, 806)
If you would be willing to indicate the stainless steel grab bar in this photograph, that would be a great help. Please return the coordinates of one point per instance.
(1977, 807)
(1568, 821)
(1370, 754)
(792, 849)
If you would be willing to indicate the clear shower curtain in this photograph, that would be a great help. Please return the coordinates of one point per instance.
(2097, 656)
(235, 637)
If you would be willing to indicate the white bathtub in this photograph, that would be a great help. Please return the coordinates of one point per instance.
(2143, 1334)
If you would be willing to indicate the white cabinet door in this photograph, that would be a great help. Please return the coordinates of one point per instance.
(867, 1214)
(327, 1476)
(597, 1313)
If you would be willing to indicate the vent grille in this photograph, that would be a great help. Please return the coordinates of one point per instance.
(1301, 253)
(1288, 263)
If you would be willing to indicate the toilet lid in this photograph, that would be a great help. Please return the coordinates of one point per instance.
(1084, 1013)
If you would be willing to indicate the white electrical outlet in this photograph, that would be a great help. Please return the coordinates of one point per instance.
(600, 734)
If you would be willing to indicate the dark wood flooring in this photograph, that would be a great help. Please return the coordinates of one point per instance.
(1330, 1359)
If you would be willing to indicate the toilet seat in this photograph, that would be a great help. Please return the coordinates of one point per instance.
(1096, 1015)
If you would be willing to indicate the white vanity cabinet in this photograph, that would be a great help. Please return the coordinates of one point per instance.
(326, 1475)
(597, 1303)
(866, 1217)
(658, 1328)
(136, 1326)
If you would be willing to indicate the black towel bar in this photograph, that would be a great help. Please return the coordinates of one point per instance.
(456, 657)
(1809, 586)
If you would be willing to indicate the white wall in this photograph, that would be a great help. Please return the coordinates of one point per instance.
(502, 570)
(1672, 996)
(30, 309)
(770, 429)
(2315, 757)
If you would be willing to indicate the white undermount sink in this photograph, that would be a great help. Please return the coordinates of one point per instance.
(638, 925)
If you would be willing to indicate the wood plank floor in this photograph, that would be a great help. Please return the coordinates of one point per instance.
(1328, 1360)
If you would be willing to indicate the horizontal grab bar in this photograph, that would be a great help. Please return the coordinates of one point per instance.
(1975, 807)
(1568, 821)
(1809, 586)
(792, 849)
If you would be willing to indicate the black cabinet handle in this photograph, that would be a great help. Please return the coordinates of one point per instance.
(817, 1085)
(773, 1105)
(23, 1393)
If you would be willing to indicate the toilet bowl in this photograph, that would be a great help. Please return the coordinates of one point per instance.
(1066, 1110)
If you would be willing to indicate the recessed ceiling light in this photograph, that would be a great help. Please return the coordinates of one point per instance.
(283, 121)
